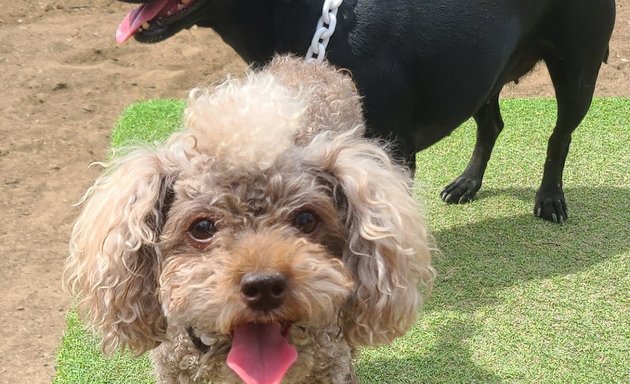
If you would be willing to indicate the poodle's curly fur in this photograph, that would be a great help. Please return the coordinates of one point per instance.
(256, 155)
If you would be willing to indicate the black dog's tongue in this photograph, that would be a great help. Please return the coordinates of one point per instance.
(260, 354)
(134, 20)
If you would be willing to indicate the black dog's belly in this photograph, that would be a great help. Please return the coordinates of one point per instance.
(422, 104)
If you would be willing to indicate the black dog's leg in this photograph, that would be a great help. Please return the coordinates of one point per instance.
(574, 83)
(410, 162)
(579, 44)
(489, 125)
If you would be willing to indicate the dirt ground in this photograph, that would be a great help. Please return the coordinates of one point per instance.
(63, 82)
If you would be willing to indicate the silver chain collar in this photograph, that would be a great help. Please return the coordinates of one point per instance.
(325, 29)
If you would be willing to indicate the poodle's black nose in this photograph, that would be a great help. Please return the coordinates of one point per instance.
(264, 291)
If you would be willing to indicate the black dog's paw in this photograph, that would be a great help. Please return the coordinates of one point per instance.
(460, 191)
(551, 206)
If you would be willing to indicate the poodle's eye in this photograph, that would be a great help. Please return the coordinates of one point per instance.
(202, 230)
(305, 221)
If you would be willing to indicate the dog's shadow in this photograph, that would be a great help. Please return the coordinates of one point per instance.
(433, 365)
(500, 252)
(479, 261)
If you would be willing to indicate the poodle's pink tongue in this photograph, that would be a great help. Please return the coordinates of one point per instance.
(137, 17)
(260, 354)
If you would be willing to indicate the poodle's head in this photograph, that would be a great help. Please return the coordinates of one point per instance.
(269, 215)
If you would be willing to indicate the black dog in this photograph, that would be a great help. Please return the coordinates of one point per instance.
(425, 66)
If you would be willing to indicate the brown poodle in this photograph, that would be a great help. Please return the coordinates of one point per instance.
(261, 244)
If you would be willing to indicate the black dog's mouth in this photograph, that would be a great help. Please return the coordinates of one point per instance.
(158, 20)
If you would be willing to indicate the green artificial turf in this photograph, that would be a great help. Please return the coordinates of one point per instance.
(148, 122)
(517, 299)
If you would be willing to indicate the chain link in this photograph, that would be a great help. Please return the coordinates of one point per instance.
(325, 28)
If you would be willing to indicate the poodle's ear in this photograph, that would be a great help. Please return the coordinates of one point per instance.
(387, 246)
(113, 262)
